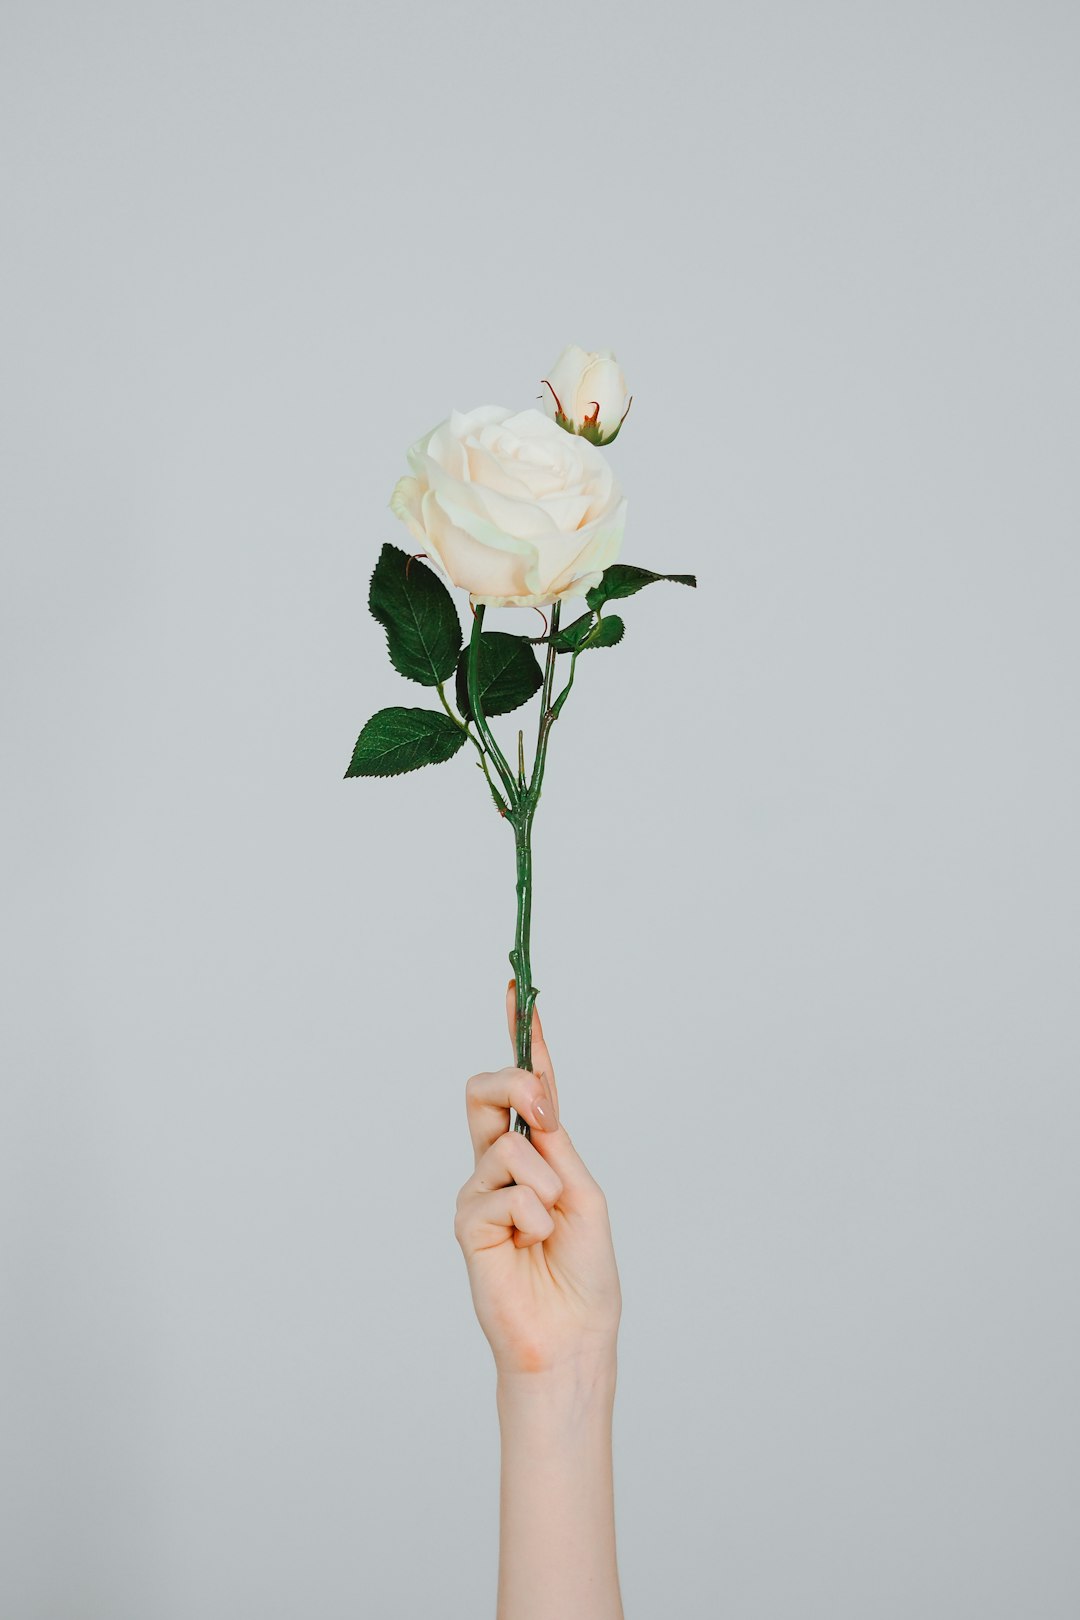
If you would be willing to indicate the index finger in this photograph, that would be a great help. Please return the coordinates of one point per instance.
(540, 1055)
(490, 1097)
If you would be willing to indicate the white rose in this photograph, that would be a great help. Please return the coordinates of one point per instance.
(513, 509)
(586, 393)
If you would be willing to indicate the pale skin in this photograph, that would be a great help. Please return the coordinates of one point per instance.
(533, 1226)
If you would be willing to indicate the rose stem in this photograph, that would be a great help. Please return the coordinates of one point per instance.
(473, 683)
(524, 799)
(520, 956)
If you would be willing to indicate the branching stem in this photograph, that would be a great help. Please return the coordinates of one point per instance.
(523, 796)
(463, 725)
(494, 751)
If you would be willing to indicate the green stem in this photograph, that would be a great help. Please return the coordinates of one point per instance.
(473, 679)
(522, 809)
(520, 957)
(548, 713)
(565, 693)
(524, 798)
(500, 803)
(463, 725)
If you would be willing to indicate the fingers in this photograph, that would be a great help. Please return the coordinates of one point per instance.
(513, 1159)
(490, 1097)
(541, 1057)
(511, 1188)
(489, 1218)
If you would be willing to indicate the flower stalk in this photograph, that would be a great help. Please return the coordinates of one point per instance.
(497, 757)
(524, 796)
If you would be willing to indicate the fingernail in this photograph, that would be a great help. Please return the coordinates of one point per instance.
(544, 1109)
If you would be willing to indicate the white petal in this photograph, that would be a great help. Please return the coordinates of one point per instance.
(561, 560)
(603, 385)
(469, 562)
(563, 379)
(405, 504)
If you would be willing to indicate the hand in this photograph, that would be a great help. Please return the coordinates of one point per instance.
(533, 1226)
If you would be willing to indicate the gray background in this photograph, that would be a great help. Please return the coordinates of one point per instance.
(807, 890)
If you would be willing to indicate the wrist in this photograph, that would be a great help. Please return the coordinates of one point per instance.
(573, 1386)
(557, 1512)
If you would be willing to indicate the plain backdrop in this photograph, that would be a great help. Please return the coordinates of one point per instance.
(807, 876)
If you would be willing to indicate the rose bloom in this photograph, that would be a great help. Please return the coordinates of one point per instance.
(585, 392)
(513, 509)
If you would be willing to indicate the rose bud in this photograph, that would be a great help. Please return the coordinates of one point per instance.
(586, 394)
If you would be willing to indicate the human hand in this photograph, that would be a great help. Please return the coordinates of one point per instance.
(533, 1226)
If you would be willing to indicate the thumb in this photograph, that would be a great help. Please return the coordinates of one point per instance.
(554, 1146)
(541, 1057)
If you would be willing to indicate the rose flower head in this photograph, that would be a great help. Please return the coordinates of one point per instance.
(511, 509)
(585, 393)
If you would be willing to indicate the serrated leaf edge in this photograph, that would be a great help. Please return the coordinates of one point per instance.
(410, 557)
(436, 714)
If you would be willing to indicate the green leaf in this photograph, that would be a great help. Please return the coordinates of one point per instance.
(423, 631)
(569, 638)
(398, 740)
(588, 632)
(622, 579)
(509, 674)
(609, 632)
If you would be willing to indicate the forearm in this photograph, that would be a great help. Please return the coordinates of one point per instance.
(557, 1513)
